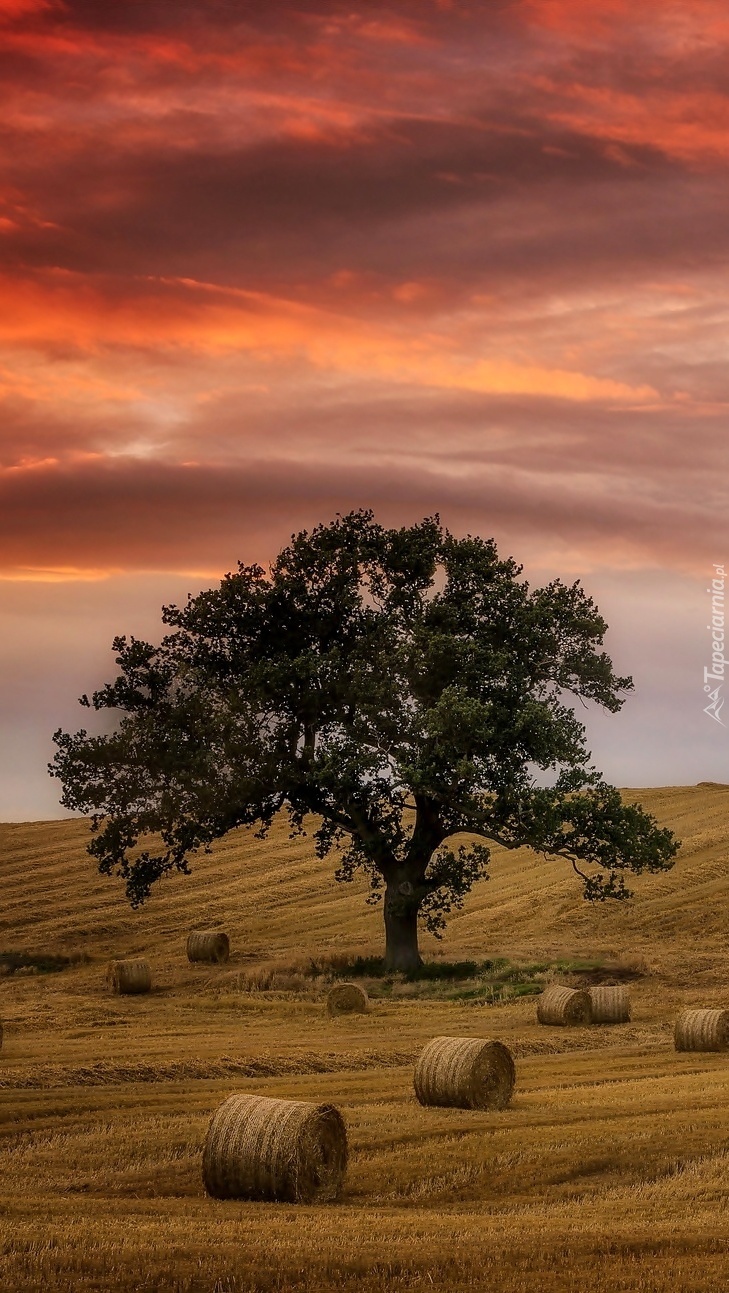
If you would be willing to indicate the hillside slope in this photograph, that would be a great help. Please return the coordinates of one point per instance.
(275, 896)
(608, 1170)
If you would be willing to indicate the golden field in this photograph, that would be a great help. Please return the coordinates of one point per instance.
(609, 1172)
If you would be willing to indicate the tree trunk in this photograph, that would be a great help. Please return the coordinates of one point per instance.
(401, 927)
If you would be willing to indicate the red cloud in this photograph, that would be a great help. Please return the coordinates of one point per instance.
(306, 209)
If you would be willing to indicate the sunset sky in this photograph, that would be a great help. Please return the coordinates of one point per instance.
(263, 262)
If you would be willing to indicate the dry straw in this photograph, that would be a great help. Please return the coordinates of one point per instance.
(610, 1004)
(560, 1005)
(702, 1030)
(347, 999)
(208, 945)
(1, 1035)
(287, 1150)
(465, 1073)
(128, 977)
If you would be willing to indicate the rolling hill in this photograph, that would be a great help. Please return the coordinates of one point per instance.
(609, 1170)
(275, 896)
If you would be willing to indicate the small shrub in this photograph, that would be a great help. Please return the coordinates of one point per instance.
(40, 962)
(271, 978)
(437, 971)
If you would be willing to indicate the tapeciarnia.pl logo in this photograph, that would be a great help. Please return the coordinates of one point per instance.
(715, 675)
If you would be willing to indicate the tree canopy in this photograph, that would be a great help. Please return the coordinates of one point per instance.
(388, 689)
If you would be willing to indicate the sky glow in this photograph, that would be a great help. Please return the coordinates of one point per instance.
(261, 263)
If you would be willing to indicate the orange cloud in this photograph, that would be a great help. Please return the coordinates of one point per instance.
(263, 263)
(201, 317)
(11, 10)
(676, 22)
(691, 127)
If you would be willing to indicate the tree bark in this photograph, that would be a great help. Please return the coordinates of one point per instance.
(401, 927)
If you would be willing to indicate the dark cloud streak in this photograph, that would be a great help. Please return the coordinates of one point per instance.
(157, 516)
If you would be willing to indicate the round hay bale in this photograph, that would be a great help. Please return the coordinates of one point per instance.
(208, 945)
(286, 1150)
(465, 1073)
(609, 1004)
(560, 1005)
(127, 977)
(702, 1030)
(347, 999)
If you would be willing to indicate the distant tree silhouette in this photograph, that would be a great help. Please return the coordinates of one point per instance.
(389, 688)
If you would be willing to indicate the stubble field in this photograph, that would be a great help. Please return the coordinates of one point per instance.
(608, 1172)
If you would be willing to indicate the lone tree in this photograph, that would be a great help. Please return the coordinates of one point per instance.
(392, 687)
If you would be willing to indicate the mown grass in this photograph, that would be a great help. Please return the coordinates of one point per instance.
(609, 1173)
(487, 982)
(497, 970)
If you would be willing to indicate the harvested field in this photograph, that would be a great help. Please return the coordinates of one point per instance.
(607, 1173)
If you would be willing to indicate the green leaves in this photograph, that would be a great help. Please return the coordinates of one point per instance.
(388, 688)
(449, 878)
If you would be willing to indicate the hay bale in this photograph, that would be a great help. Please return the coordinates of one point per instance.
(208, 945)
(287, 1150)
(126, 977)
(560, 1005)
(1, 1035)
(465, 1073)
(609, 1004)
(702, 1030)
(347, 999)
